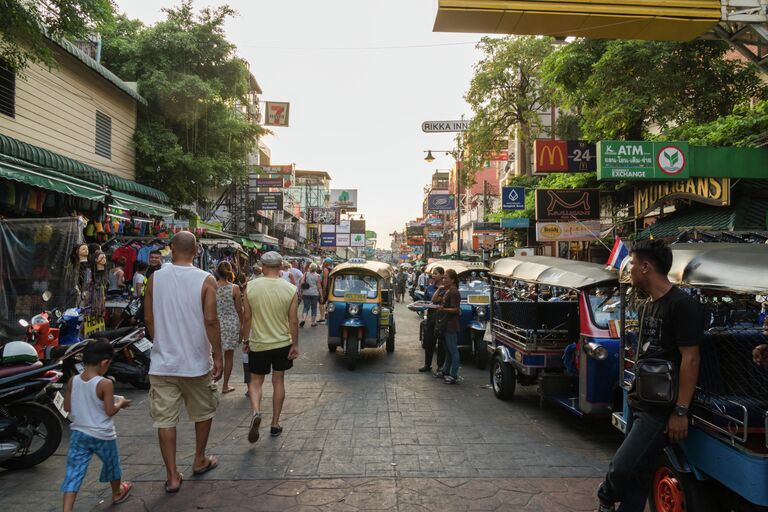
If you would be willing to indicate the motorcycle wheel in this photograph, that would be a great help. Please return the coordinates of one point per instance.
(43, 424)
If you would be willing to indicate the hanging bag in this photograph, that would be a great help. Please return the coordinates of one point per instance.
(656, 380)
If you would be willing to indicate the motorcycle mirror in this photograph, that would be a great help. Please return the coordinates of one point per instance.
(47, 295)
(23, 322)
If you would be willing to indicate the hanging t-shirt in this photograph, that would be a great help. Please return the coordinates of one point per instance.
(129, 253)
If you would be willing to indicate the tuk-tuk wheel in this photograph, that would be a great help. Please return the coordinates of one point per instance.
(502, 379)
(479, 351)
(351, 350)
(677, 492)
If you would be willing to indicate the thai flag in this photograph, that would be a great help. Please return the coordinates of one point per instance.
(618, 253)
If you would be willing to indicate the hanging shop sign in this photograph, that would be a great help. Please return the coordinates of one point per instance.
(343, 227)
(712, 191)
(434, 222)
(277, 113)
(324, 215)
(289, 243)
(357, 226)
(564, 156)
(485, 242)
(414, 241)
(327, 240)
(370, 235)
(277, 169)
(357, 240)
(342, 239)
(521, 223)
(269, 200)
(486, 226)
(642, 160)
(567, 204)
(269, 182)
(327, 228)
(346, 199)
(441, 202)
(513, 198)
(567, 231)
(435, 234)
(414, 231)
(444, 126)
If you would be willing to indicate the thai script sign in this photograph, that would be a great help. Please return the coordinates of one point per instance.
(269, 200)
(642, 160)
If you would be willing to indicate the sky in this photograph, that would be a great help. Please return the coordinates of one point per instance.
(361, 76)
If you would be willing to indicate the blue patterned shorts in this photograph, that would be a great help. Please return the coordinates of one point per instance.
(82, 447)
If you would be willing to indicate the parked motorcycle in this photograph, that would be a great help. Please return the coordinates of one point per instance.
(30, 432)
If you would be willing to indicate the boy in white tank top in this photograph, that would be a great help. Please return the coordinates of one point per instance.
(91, 402)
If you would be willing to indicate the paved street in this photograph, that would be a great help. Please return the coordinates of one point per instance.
(382, 437)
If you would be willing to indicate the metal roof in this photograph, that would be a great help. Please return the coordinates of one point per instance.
(383, 270)
(553, 271)
(458, 265)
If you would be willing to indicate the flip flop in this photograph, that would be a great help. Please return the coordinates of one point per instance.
(253, 432)
(125, 490)
(213, 463)
(228, 390)
(174, 490)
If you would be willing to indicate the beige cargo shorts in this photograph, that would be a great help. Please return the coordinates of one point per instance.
(200, 396)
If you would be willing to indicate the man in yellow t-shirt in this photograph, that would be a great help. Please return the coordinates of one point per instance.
(271, 326)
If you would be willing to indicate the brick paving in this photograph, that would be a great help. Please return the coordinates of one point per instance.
(381, 438)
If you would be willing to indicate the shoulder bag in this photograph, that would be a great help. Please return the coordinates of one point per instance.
(656, 380)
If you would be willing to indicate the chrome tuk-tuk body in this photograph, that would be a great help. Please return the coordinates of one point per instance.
(360, 309)
(568, 346)
(723, 463)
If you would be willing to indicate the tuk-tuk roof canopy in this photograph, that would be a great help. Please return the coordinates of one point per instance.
(459, 266)
(733, 267)
(383, 270)
(553, 271)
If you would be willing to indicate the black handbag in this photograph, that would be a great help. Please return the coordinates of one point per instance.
(305, 286)
(656, 380)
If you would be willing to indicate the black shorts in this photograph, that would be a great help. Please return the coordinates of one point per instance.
(276, 359)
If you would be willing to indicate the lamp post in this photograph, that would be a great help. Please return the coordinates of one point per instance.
(457, 154)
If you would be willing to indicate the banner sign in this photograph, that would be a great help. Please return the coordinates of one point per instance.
(564, 156)
(276, 169)
(357, 226)
(415, 241)
(327, 240)
(346, 199)
(486, 226)
(521, 223)
(357, 240)
(567, 204)
(513, 198)
(269, 200)
(276, 113)
(435, 234)
(434, 221)
(713, 191)
(327, 228)
(343, 227)
(414, 231)
(324, 215)
(567, 231)
(440, 202)
(269, 182)
(642, 160)
(342, 239)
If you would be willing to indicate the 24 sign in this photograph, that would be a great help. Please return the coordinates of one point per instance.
(564, 156)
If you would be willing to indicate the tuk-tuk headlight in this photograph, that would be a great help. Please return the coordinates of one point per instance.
(480, 312)
(376, 310)
(353, 309)
(596, 351)
(331, 307)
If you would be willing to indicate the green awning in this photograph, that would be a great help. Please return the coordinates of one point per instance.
(50, 180)
(126, 202)
(250, 244)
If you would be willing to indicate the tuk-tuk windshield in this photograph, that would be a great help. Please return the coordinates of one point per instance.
(356, 284)
(476, 287)
(605, 303)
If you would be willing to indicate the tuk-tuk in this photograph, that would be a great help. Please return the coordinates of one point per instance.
(360, 309)
(475, 300)
(723, 463)
(568, 344)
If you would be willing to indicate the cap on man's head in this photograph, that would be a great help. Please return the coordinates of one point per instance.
(271, 259)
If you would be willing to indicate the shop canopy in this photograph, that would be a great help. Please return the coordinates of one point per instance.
(138, 204)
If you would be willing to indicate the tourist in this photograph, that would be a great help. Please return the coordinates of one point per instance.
(311, 290)
(433, 292)
(229, 308)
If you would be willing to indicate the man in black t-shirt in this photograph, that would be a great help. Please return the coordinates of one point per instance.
(671, 328)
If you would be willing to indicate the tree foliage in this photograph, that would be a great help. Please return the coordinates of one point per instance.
(24, 24)
(190, 136)
(623, 89)
(746, 126)
(505, 93)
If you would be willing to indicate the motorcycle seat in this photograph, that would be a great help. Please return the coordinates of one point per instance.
(7, 371)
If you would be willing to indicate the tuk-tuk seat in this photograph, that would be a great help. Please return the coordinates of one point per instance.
(540, 315)
(726, 367)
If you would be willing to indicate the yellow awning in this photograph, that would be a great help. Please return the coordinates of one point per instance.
(671, 20)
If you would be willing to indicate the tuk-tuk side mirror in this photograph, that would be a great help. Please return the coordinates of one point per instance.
(47, 295)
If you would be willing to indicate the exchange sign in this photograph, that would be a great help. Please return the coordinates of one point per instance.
(269, 200)
(642, 160)
(441, 202)
(567, 204)
(513, 198)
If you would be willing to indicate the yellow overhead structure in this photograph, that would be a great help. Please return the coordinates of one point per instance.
(668, 20)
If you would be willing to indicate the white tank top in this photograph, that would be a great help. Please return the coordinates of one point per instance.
(87, 410)
(181, 347)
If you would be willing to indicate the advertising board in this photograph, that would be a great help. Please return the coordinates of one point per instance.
(269, 200)
(345, 199)
(513, 198)
(269, 182)
(342, 240)
(642, 160)
(567, 204)
(324, 215)
(327, 240)
(441, 202)
(357, 240)
(564, 156)
(567, 231)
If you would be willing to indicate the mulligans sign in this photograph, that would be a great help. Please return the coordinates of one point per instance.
(713, 191)
(642, 160)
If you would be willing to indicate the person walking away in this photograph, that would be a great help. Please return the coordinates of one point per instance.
(311, 288)
(116, 277)
(450, 310)
(271, 325)
(229, 308)
(325, 274)
(286, 274)
(139, 279)
(671, 328)
(401, 279)
(91, 401)
(296, 272)
(434, 291)
(186, 362)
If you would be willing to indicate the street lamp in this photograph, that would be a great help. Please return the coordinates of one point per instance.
(457, 154)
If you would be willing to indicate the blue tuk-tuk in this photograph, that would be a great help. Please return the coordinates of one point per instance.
(566, 344)
(360, 309)
(475, 300)
(723, 463)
